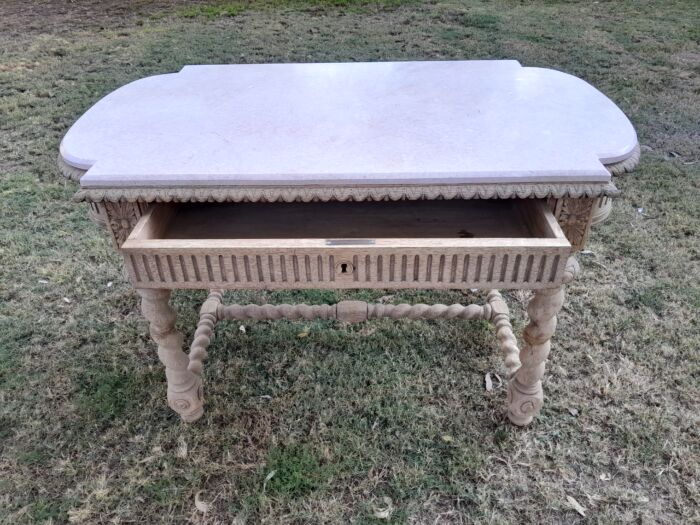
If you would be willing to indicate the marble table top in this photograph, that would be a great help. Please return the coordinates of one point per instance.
(446, 122)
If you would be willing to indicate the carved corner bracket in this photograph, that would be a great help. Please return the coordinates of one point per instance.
(575, 218)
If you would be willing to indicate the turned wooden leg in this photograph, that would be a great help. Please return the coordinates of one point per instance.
(184, 387)
(525, 389)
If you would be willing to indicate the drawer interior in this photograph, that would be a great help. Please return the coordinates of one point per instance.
(404, 244)
(446, 219)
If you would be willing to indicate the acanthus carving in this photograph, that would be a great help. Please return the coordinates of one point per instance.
(626, 165)
(347, 193)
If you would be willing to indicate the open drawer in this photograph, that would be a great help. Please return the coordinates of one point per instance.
(511, 243)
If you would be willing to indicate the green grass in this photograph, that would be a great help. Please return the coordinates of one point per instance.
(352, 419)
(212, 11)
(479, 20)
(293, 471)
(106, 395)
(226, 9)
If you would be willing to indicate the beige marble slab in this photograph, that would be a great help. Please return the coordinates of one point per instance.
(353, 123)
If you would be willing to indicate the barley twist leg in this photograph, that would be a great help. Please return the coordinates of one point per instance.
(500, 317)
(184, 387)
(525, 396)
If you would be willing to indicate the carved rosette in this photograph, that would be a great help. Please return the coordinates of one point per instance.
(122, 217)
(574, 216)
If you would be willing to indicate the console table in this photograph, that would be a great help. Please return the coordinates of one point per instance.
(442, 175)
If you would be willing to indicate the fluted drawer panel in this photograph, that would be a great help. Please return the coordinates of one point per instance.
(389, 269)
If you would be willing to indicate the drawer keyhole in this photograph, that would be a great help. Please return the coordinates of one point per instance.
(344, 268)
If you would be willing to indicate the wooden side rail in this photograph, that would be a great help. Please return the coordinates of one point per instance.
(494, 310)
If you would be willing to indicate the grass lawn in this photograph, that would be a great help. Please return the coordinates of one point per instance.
(383, 422)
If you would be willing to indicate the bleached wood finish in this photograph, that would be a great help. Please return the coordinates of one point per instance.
(128, 221)
(394, 270)
(185, 394)
(500, 317)
(138, 199)
(352, 311)
(525, 396)
(203, 335)
(507, 244)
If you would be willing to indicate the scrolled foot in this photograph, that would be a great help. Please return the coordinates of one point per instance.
(524, 402)
(188, 403)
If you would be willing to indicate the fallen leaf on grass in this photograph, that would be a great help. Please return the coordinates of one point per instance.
(247, 466)
(202, 506)
(447, 438)
(303, 333)
(576, 506)
(268, 478)
(384, 512)
(488, 381)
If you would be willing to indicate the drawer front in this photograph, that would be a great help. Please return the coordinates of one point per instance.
(522, 268)
(154, 261)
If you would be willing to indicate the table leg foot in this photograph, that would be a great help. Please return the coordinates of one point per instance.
(525, 398)
(188, 403)
(185, 394)
(524, 402)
